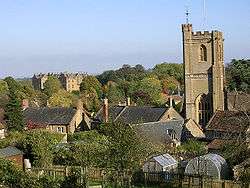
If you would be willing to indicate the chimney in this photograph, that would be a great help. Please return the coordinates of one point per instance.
(25, 104)
(105, 110)
(170, 102)
(128, 102)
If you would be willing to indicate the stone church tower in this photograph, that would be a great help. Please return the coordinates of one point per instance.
(204, 73)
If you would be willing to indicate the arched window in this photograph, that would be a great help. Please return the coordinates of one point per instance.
(203, 53)
(203, 109)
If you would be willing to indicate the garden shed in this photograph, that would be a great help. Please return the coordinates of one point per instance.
(160, 163)
(212, 165)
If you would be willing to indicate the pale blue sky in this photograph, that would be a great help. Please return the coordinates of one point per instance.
(96, 35)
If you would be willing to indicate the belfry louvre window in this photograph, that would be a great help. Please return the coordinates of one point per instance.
(203, 53)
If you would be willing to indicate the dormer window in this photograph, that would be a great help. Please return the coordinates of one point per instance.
(203, 53)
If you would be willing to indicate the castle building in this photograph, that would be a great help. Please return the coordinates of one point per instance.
(203, 72)
(70, 81)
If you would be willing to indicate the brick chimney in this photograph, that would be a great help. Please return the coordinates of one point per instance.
(25, 104)
(105, 110)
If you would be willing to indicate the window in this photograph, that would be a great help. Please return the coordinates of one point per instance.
(60, 129)
(203, 109)
(203, 53)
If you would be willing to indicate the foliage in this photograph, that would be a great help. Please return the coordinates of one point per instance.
(85, 149)
(12, 176)
(52, 85)
(3, 87)
(147, 91)
(126, 73)
(169, 85)
(126, 150)
(90, 100)
(166, 70)
(238, 75)
(39, 145)
(115, 94)
(13, 112)
(61, 98)
(89, 83)
(235, 152)
(192, 148)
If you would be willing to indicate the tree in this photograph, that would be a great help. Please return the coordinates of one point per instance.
(13, 113)
(52, 85)
(238, 75)
(115, 94)
(165, 70)
(90, 100)
(39, 145)
(3, 87)
(192, 148)
(62, 98)
(147, 91)
(91, 82)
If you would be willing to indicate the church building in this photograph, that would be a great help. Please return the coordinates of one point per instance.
(204, 73)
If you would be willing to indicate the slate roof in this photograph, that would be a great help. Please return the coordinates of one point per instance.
(49, 116)
(158, 132)
(114, 111)
(134, 114)
(165, 160)
(228, 121)
(10, 151)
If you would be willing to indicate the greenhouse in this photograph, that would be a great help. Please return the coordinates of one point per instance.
(211, 165)
(160, 163)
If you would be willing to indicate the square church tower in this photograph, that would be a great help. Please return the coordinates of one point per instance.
(203, 73)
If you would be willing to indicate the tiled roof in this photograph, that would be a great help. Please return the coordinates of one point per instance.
(134, 114)
(218, 144)
(49, 116)
(229, 121)
(10, 151)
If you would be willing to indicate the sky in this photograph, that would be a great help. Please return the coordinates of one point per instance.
(97, 35)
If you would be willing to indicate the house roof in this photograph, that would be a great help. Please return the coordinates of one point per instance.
(114, 111)
(10, 151)
(49, 116)
(229, 121)
(194, 129)
(134, 114)
(238, 101)
(165, 160)
(159, 132)
(217, 144)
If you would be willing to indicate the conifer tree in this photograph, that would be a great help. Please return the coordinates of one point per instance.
(14, 114)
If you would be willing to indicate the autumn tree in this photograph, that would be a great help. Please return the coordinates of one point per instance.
(52, 85)
(61, 98)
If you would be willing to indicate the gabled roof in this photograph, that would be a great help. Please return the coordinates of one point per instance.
(229, 121)
(193, 129)
(134, 114)
(114, 111)
(49, 116)
(10, 151)
(165, 160)
(159, 132)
